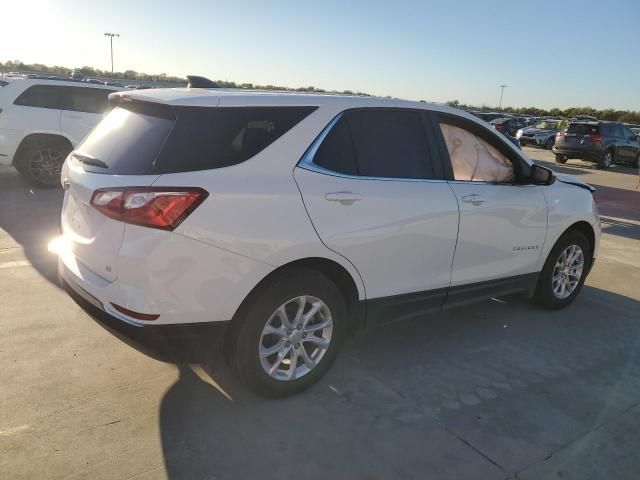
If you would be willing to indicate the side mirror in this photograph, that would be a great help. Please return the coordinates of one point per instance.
(541, 175)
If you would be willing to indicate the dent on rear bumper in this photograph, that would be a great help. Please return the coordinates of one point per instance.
(183, 280)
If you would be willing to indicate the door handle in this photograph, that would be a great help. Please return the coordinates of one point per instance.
(344, 198)
(473, 199)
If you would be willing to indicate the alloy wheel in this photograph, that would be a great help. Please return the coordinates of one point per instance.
(608, 157)
(567, 272)
(295, 338)
(45, 165)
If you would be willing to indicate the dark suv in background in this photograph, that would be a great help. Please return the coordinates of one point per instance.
(508, 125)
(604, 143)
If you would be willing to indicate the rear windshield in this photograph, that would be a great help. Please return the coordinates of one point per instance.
(141, 139)
(582, 128)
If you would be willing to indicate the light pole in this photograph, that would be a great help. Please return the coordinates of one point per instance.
(502, 87)
(111, 35)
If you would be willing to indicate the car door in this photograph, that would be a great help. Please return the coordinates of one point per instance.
(373, 187)
(83, 108)
(503, 220)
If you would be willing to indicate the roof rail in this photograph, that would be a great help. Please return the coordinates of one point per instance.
(196, 81)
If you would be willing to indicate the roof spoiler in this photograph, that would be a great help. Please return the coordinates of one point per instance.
(195, 81)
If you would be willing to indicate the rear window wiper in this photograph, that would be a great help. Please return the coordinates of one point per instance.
(94, 162)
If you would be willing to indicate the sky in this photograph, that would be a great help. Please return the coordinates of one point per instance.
(558, 53)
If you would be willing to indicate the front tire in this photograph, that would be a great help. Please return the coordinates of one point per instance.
(564, 271)
(606, 160)
(40, 162)
(288, 333)
(561, 159)
(549, 143)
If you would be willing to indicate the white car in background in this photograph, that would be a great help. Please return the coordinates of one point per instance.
(293, 219)
(42, 120)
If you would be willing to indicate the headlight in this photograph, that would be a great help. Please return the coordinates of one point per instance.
(519, 133)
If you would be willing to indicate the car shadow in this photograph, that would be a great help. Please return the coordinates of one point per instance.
(504, 375)
(29, 219)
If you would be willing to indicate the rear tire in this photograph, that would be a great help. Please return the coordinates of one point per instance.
(561, 159)
(40, 161)
(259, 328)
(549, 292)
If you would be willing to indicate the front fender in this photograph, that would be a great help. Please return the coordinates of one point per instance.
(568, 205)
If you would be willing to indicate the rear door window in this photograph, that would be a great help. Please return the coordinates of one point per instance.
(390, 143)
(88, 100)
(41, 96)
(380, 143)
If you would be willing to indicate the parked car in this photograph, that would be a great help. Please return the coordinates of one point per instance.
(636, 131)
(41, 120)
(488, 116)
(543, 134)
(294, 219)
(604, 143)
(508, 125)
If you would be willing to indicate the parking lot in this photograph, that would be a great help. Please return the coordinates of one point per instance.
(498, 390)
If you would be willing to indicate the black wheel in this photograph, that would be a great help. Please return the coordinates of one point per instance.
(41, 160)
(287, 335)
(564, 271)
(606, 160)
(549, 143)
(561, 159)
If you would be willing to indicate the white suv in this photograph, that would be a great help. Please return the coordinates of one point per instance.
(294, 219)
(41, 120)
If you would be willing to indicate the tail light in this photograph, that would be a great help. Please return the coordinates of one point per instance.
(155, 207)
(560, 134)
(596, 138)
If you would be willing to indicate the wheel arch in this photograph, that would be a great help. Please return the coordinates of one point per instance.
(587, 230)
(331, 269)
(35, 137)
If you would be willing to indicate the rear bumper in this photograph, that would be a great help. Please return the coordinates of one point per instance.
(590, 155)
(160, 273)
(186, 343)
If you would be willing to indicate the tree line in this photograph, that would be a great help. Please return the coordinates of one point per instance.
(627, 116)
(86, 71)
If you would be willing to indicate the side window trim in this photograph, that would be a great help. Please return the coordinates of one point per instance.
(307, 162)
(441, 146)
(504, 148)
